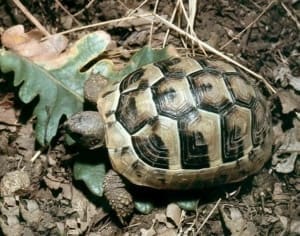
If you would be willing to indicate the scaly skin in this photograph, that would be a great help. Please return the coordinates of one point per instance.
(118, 197)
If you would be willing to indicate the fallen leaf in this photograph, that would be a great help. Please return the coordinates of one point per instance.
(30, 45)
(290, 101)
(11, 226)
(284, 158)
(14, 181)
(290, 226)
(236, 223)
(9, 206)
(286, 164)
(147, 232)
(167, 232)
(30, 211)
(284, 75)
(85, 208)
(162, 218)
(173, 213)
(58, 84)
(92, 174)
(8, 116)
(144, 207)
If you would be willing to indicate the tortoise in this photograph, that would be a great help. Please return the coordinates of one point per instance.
(181, 123)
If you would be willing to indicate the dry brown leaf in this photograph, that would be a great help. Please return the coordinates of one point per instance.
(8, 116)
(285, 157)
(14, 181)
(30, 45)
(51, 182)
(291, 226)
(11, 226)
(30, 211)
(162, 218)
(236, 223)
(284, 75)
(85, 209)
(25, 141)
(290, 101)
(147, 232)
(173, 213)
(168, 232)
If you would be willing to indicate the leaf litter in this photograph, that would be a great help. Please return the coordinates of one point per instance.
(278, 213)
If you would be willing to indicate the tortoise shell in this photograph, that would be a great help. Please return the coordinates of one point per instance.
(185, 123)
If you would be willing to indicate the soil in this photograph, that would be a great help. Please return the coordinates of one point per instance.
(48, 201)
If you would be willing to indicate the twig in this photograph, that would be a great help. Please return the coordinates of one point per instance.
(250, 25)
(171, 20)
(192, 10)
(83, 9)
(36, 155)
(152, 22)
(208, 216)
(290, 15)
(190, 26)
(31, 18)
(67, 12)
(137, 8)
(105, 23)
(215, 51)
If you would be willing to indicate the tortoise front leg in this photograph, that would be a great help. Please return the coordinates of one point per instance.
(118, 197)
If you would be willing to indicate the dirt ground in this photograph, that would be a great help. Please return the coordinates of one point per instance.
(50, 202)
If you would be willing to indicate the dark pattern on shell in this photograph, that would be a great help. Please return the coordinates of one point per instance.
(151, 150)
(179, 96)
(194, 148)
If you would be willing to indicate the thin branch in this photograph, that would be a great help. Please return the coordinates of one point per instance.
(106, 23)
(171, 20)
(152, 23)
(209, 215)
(31, 18)
(215, 51)
(288, 11)
(67, 12)
(84, 9)
(137, 8)
(250, 25)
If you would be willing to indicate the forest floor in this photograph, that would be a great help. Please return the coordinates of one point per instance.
(262, 35)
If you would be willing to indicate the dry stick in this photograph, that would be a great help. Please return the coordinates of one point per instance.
(291, 15)
(191, 27)
(192, 9)
(171, 20)
(67, 12)
(36, 155)
(215, 51)
(83, 9)
(152, 22)
(106, 23)
(137, 8)
(179, 20)
(31, 18)
(250, 25)
(208, 216)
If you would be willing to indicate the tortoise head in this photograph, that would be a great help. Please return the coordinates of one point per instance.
(86, 128)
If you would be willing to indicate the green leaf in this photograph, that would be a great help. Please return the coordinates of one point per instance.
(91, 174)
(143, 206)
(143, 57)
(59, 85)
(188, 205)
